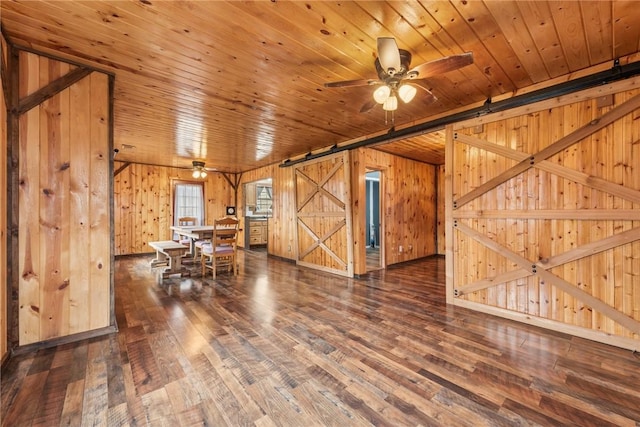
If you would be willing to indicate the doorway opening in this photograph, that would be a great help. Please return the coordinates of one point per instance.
(373, 221)
(258, 208)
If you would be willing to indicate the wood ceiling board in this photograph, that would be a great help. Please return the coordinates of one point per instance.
(241, 83)
(427, 148)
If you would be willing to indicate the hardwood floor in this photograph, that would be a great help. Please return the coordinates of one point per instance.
(373, 259)
(283, 346)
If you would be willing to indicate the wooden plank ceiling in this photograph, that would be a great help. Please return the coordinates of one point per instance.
(240, 84)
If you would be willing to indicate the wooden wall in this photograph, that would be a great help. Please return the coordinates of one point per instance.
(142, 198)
(440, 201)
(64, 227)
(408, 204)
(144, 208)
(544, 214)
(143, 204)
(4, 348)
(281, 226)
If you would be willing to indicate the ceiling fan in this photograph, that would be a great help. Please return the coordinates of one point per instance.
(397, 80)
(199, 170)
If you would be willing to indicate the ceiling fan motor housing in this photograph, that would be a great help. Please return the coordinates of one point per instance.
(385, 75)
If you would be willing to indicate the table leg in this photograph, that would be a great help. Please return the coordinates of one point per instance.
(160, 260)
(176, 263)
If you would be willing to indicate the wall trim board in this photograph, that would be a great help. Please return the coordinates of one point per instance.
(13, 148)
(94, 333)
(69, 61)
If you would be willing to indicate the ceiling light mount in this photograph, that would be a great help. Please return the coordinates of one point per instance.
(198, 169)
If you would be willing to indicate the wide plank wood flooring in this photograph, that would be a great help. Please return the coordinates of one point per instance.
(285, 346)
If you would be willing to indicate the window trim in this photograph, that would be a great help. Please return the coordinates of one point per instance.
(174, 184)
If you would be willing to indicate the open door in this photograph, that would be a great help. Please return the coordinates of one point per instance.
(373, 223)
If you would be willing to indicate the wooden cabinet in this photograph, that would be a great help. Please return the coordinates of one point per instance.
(250, 196)
(257, 232)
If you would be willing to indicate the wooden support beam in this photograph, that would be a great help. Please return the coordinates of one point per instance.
(121, 168)
(53, 88)
(235, 184)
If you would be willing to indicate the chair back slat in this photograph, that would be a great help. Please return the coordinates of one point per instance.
(223, 249)
(187, 220)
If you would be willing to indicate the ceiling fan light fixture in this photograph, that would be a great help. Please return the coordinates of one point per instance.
(198, 170)
(406, 93)
(381, 94)
(390, 104)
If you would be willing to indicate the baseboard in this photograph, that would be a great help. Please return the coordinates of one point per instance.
(29, 348)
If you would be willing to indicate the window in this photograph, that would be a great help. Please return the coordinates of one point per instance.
(263, 198)
(188, 201)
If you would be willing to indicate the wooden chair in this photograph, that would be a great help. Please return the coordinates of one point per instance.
(223, 249)
(186, 221)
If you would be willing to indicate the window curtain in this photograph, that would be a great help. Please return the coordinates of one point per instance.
(188, 202)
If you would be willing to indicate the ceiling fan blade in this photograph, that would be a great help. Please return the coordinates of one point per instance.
(388, 54)
(368, 106)
(359, 82)
(429, 97)
(442, 65)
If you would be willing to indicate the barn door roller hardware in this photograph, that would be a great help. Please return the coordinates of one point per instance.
(616, 73)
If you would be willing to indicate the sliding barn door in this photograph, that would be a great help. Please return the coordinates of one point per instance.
(323, 214)
(543, 217)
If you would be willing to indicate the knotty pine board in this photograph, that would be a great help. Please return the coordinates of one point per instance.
(608, 154)
(64, 203)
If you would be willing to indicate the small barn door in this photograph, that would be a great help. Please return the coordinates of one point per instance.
(323, 214)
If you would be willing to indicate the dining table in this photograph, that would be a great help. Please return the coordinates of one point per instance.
(193, 233)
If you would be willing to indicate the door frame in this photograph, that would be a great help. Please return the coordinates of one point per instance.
(381, 222)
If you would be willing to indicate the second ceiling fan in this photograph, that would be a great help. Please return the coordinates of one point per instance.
(396, 79)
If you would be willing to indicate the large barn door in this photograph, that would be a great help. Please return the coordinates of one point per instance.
(323, 214)
(543, 218)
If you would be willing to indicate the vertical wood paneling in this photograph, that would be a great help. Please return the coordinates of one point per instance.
(4, 346)
(29, 202)
(410, 200)
(281, 226)
(358, 210)
(64, 203)
(99, 212)
(79, 193)
(611, 276)
(440, 210)
(143, 204)
(54, 222)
